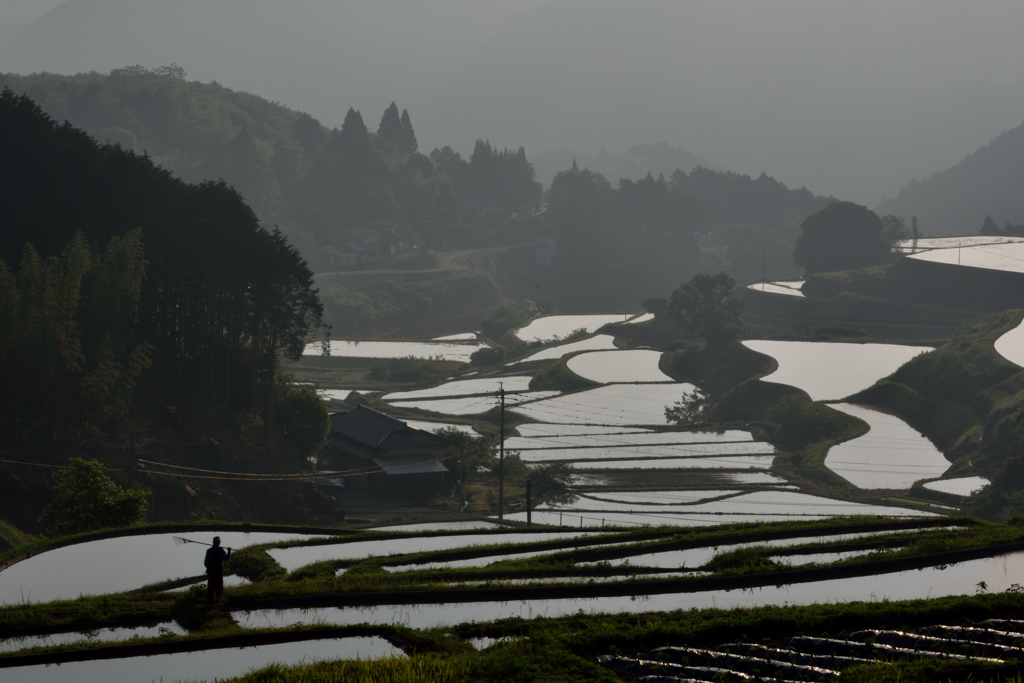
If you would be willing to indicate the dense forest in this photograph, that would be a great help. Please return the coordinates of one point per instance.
(111, 265)
(621, 236)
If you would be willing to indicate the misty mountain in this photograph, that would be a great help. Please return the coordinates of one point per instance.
(635, 163)
(849, 99)
(956, 201)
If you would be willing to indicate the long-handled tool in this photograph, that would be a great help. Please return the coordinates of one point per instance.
(178, 540)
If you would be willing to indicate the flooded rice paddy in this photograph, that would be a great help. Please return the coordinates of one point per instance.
(471, 405)
(334, 394)
(202, 665)
(560, 326)
(1008, 256)
(829, 371)
(453, 351)
(1011, 345)
(616, 404)
(620, 452)
(105, 635)
(547, 439)
(892, 455)
(786, 287)
(461, 336)
(757, 506)
(998, 573)
(599, 342)
(117, 564)
(466, 387)
(619, 366)
(926, 243)
(728, 462)
(962, 486)
(428, 426)
(293, 558)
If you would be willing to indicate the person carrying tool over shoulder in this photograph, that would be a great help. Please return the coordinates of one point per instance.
(214, 563)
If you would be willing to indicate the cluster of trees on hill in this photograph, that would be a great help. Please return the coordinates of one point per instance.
(986, 182)
(626, 243)
(188, 280)
(295, 173)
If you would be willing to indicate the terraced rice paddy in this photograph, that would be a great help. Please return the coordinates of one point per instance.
(453, 351)
(1011, 345)
(619, 366)
(616, 404)
(293, 558)
(545, 439)
(1008, 256)
(203, 664)
(620, 452)
(466, 387)
(116, 564)
(998, 574)
(892, 455)
(761, 506)
(829, 371)
(599, 342)
(106, 635)
(961, 486)
(560, 326)
(785, 287)
(471, 405)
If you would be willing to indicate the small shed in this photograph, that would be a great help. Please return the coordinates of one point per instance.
(378, 453)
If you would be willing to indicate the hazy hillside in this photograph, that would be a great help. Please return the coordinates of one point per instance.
(657, 159)
(957, 200)
(836, 106)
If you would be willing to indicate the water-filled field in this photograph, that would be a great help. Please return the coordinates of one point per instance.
(1011, 345)
(998, 574)
(619, 452)
(471, 405)
(962, 486)
(464, 387)
(559, 326)
(205, 665)
(106, 635)
(434, 426)
(293, 558)
(926, 243)
(762, 506)
(1008, 256)
(636, 365)
(725, 462)
(615, 439)
(616, 404)
(829, 371)
(892, 455)
(786, 287)
(113, 565)
(453, 351)
(599, 342)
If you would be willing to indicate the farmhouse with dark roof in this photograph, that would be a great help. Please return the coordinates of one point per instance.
(378, 453)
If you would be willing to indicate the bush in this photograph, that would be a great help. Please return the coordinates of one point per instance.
(88, 500)
(501, 320)
(487, 356)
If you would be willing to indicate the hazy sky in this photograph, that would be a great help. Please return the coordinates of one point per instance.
(851, 99)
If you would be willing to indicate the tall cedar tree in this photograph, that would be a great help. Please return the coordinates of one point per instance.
(222, 299)
(390, 128)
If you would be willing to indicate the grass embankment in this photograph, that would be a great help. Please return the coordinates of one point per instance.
(558, 377)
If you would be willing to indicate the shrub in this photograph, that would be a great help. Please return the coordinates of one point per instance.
(87, 500)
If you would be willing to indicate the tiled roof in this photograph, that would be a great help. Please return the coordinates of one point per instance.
(374, 429)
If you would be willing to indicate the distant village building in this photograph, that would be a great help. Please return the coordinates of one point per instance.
(378, 453)
(352, 247)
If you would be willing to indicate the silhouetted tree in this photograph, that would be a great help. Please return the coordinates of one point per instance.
(707, 306)
(842, 236)
(390, 128)
(408, 143)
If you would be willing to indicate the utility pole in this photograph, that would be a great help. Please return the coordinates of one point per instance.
(529, 519)
(501, 456)
(133, 465)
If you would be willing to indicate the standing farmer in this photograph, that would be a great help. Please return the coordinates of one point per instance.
(214, 562)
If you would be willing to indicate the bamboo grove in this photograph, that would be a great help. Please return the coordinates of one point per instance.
(114, 266)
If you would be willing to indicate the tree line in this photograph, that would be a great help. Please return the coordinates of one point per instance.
(186, 280)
